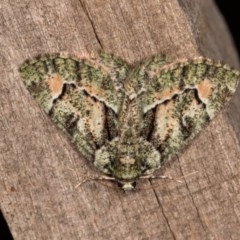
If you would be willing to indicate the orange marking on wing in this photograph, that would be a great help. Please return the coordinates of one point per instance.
(55, 83)
(166, 110)
(205, 89)
(94, 91)
(167, 94)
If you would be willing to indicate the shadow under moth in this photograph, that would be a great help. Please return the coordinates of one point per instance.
(128, 120)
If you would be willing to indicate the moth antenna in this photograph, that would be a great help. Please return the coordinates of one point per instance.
(160, 177)
(82, 182)
(174, 179)
(164, 177)
(106, 185)
(187, 175)
(97, 179)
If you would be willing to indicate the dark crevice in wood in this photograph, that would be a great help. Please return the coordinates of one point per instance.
(4, 229)
(164, 215)
(91, 22)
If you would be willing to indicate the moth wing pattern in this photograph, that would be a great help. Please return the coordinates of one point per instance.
(181, 98)
(80, 95)
(129, 119)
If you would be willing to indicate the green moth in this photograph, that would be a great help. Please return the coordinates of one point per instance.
(128, 120)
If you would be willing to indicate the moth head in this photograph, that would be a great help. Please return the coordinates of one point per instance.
(127, 186)
(125, 162)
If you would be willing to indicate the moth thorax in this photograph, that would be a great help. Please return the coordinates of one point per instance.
(127, 160)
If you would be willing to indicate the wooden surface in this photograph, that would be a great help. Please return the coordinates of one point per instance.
(39, 167)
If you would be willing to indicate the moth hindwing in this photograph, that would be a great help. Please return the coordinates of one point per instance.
(129, 120)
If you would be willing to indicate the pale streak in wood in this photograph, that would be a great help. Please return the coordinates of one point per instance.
(44, 205)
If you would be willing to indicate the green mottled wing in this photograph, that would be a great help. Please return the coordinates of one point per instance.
(80, 94)
(137, 80)
(180, 98)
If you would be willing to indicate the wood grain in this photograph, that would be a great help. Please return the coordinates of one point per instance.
(39, 167)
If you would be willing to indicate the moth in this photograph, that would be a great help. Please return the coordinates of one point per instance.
(128, 120)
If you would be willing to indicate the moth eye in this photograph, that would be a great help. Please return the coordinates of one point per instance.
(134, 184)
(120, 185)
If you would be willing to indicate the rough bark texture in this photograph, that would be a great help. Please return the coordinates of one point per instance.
(39, 167)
